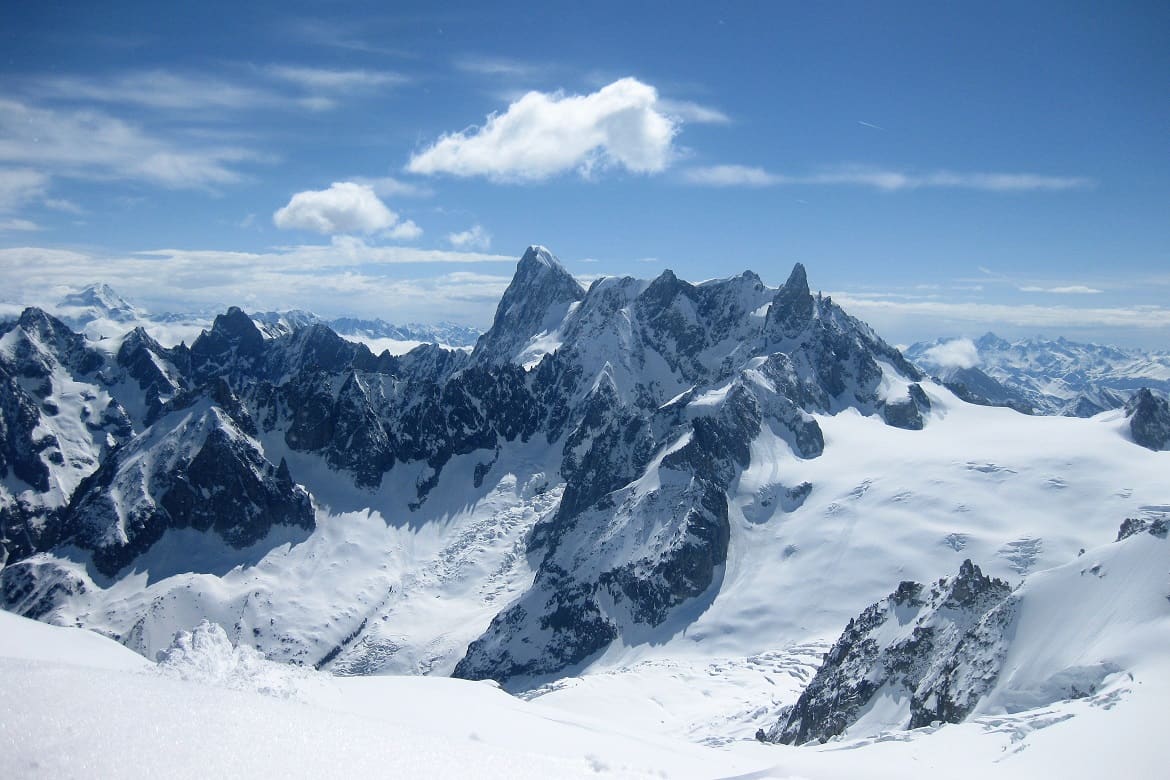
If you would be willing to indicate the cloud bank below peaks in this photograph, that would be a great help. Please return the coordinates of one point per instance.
(622, 125)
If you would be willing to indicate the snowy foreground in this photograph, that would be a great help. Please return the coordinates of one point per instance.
(76, 704)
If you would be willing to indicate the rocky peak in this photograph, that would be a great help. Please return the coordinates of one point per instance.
(234, 341)
(793, 306)
(1149, 420)
(237, 327)
(535, 302)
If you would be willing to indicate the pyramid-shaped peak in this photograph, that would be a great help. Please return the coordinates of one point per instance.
(797, 280)
(540, 255)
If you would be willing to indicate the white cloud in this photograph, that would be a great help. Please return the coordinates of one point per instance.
(936, 313)
(474, 237)
(688, 111)
(957, 353)
(91, 144)
(1072, 289)
(18, 186)
(171, 91)
(330, 80)
(390, 187)
(157, 89)
(61, 204)
(7, 225)
(731, 176)
(497, 66)
(887, 180)
(544, 134)
(406, 231)
(346, 207)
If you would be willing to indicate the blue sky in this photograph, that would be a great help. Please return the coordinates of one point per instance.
(940, 168)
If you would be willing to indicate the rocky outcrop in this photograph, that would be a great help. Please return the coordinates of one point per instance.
(1149, 420)
(937, 647)
(195, 468)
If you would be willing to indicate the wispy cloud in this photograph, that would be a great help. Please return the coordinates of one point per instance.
(158, 89)
(281, 87)
(870, 125)
(18, 186)
(731, 176)
(689, 111)
(15, 224)
(390, 187)
(545, 134)
(988, 314)
(498, 66)
(91, 144)
(884, 179)
(1072, 289)
(331, 80)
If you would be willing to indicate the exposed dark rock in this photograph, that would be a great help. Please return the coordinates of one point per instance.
(1149, 420)
(974, 386)
(943, 652)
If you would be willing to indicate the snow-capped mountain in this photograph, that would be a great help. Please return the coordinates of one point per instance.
(97, 301)
(376, 334)
(636, 483)
(1041, 375)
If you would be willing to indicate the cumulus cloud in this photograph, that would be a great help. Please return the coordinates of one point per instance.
(957, 353)
(544, 134)
(474, 237)
(346, 207)
(405, 231)
(884, 179)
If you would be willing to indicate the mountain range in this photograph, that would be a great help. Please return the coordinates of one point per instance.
(1045, 376)
(615, 483)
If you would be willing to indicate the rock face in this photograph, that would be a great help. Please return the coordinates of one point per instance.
(976, 387)
(537, 300)
(1149, 420)
(648, 394)
(940, 647)
(196, 468)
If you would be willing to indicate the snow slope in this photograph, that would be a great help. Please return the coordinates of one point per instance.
(77, 705)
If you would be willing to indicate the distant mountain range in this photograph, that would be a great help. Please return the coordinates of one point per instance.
(99, 311)
(1043, 376)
